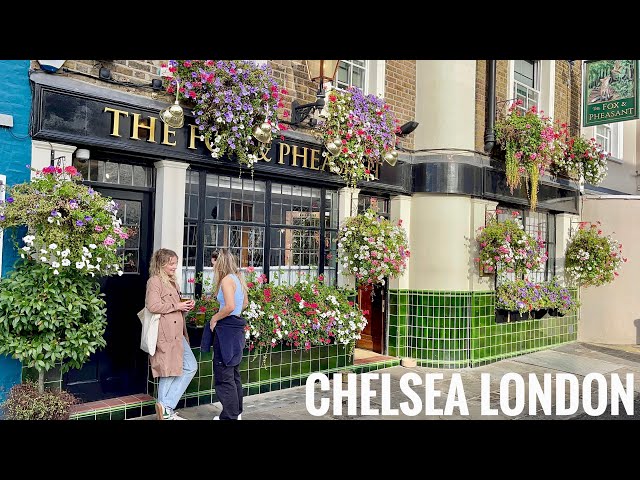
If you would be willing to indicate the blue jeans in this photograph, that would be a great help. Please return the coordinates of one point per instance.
(170, 389)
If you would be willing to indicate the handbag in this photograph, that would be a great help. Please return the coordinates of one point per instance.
(149, 336)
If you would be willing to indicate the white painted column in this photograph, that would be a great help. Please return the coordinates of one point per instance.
(479, 208)
(41, 154)
(347, 207)
(564, 223)
(445, 104)
(169, 217)
(400, 209)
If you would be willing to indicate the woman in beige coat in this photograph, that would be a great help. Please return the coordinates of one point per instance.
(173, 362)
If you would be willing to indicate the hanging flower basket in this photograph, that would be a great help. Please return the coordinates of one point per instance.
(505, 247)
(358, 131)
(371, 248)
(531, 145)
(591, 258)
(583, 158)
(70, 225)
(234, 103)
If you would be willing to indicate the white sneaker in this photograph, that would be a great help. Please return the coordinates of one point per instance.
(175, 416)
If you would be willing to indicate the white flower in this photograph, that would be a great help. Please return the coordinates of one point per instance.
(53, 246)
(79, 265)
(66, 262)
(56, 272)
(92, 246)
(119, 273)
(55, 265)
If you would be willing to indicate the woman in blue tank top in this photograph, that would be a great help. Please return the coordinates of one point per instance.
(228, 333)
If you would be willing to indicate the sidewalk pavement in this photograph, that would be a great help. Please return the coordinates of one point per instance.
(500, 394)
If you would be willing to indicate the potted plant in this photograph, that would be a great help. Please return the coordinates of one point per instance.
(371, 248)
(560, 301)
(505, 247)
(26, 402)
(198, 318)
(51, 309)
(531, 145)
(234, 104)
(356, 127)
(300, 316)
(592, 259)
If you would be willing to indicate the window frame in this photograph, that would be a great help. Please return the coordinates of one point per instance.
(550, 268)
(198, 224)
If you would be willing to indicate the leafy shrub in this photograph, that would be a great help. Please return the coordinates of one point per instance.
(46, 318)
(24, 402)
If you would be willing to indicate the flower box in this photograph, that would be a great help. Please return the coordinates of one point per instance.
(508, 316)
(195, 335)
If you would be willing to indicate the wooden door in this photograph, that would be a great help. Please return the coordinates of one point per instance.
(371, 299)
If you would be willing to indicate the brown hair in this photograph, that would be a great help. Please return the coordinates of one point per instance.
(226, 264)
(159, 259)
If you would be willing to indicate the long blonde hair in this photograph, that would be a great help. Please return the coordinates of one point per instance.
(225, 265)
(159, 259)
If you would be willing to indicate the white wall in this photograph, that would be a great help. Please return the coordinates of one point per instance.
(441, 257)
(611, 313)
(445, 104)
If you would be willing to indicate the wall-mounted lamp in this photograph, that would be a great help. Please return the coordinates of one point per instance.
(156, 84)
(407, 128)
(173, 115)
(82, 154)
(320, 70)
(104, 73)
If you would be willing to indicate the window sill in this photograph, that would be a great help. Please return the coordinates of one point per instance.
(615, 160)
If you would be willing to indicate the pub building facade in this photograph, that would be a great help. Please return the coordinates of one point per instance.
(283, 220)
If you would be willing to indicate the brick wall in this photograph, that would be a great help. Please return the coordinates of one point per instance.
(15, 152)
(567, 107)
(400, 93)
(292, 75)
(134, 71)
(568, 103)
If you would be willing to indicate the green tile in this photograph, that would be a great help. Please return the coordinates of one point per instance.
(118, 414)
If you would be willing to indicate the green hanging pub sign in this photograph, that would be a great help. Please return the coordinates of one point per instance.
(610, 91)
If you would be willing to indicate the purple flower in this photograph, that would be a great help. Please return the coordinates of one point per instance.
(54, 213)
(1, 218)
(9, 199)
(79, 223)
(88, 218)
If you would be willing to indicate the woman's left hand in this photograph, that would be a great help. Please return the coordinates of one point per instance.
(212, 324)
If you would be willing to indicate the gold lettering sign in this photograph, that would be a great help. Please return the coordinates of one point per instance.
(287, 154)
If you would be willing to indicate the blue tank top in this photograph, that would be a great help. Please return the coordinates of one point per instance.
(238, 297)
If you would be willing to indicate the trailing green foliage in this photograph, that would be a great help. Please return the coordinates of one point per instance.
(46, 319)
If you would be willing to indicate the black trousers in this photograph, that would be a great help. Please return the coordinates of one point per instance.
(227, 383)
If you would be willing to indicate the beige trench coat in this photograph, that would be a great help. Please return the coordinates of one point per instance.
(162, 299)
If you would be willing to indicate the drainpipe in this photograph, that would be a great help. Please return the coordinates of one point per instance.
(489, 133)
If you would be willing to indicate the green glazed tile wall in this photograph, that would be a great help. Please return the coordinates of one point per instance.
(280, 368)
(458, 329)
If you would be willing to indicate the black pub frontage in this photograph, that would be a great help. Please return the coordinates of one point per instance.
(284, 221)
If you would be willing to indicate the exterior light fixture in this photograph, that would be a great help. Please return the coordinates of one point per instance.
(407, 128)
(82, 154)
(173, 115)
(320, 70)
